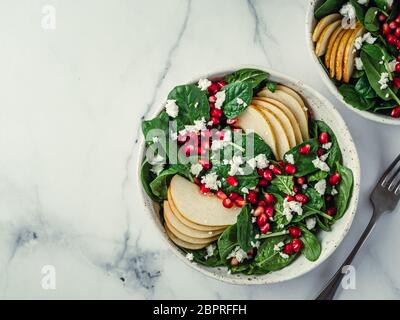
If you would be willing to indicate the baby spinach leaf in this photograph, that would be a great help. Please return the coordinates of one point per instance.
(271, 86)
(159, 186)
(328, 7)
(238, 96)
(251, 76)
(360, 10)
(192, 103)
(284, 184)
(335, 155)
(364, 89)
(315, 202)
(267, 259)
(303, 162)
(159, 123)
(371, 22)
(258, 144)
(312, 247)
(317, 176)
(382, 4)
(323, 224)
(146, 177)
(199, 256)
(227, 242)
(245, 228)
(344, 189)
(352, 97)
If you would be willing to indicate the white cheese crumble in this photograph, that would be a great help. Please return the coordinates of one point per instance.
(327, 146)
(368, 38)
(238, 253)
(158, 159)
(348, 11)
(359, 64)
(392, 65)
(304, 186)
(389, 2)
(155, 139)
(199, 125)
(220, 99)
(240, 102)
(220, 144)
(284, 255)
(255, 244)
(173, 135)
(289, 158)
(310, 223)
(320, 164)
(211, 181)
(278, 246)
(190, 256)
(262, 161)
(364, 2)
(290, 207)
(203, 84)
(383, 81)
(334, 192)
(196, 168)
(257, 236)
(245, 190)
(235, 164)
(210, 251)
(320, 187)
(172, 108)
(157, 169)
(253, 220)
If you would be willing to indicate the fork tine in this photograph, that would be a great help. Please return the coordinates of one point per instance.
(392, 180)
(384, 177)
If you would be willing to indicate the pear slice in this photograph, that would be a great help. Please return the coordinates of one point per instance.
(188, 239)
(323, 23)
(183, 229)
(332, 59)
(281, 116)
(184, 244)
(331, 42)
(350, 53)
(199, 208)
(188, 223)
(253, 120)
(295, 95)
(322, 44)
(293, 105)
(340, 54)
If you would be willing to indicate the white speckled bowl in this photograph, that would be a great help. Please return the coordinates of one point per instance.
(310, 24)
(324, 110)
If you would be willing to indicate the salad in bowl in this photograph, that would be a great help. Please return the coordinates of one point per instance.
(246, 176)
(357, 43)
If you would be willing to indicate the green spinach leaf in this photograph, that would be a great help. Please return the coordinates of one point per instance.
(251, 76)
(156, 127)
(344, 189)
(328, 7)
(146, 177)
(238, 96)
(227, 242)
(312, 247)
(284, 184)
(201, 257)
(303, 162)
(371, 22)
(245, 229)
(335, 155)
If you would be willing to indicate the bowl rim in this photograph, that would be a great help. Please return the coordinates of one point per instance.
(310, 21)
(255, 279)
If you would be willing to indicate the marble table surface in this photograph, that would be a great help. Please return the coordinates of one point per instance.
(76, 78)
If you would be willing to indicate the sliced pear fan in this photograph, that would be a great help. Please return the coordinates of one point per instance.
(331, 42)
(323, 23)
(340, 55)
(350, 53)
(184, 244)
(335, 48)
(189, 239)
(323, 40)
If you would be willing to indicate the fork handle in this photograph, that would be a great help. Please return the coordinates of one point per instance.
(329, 292)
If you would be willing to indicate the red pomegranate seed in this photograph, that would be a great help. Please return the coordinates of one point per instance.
(331, 211)
(221, 84)
(197, 181)
(398, 44)
(302, 198)
(259, 211)
(288, 249)
(190, 149)
(220, 135)
(265, 228)
(269, 211)
(385, 29)
(295, 232)
(227, 203)
(396, 82)
(275, 169)
(398, 58)
(262, 219)
(262, 183)
(397, 32)
(221, 195)
(397, 19)
(215, 121)
(213, 88)
(268, 174)
(204, 189)
(395, 113)
(240, 202)
(305, 149)
(260, 172)
(205, 164)
(334, 179)
(391, 39)
(233, 196)
(296, 189)
(212, 99)
(261, 203)
(381, 17)
(281, 163)
(329, 198)
(301, 180)
(205, 135)
(252, 197)
(320, 152)
(232, 122)
(297, 245)
(269, 198)
(393, 25)
(323, 138)
(290, 169)
(217, 113)
(289, 198)
(202, 151)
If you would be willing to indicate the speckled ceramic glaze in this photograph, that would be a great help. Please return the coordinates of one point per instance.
(323, 110)
(310, 24)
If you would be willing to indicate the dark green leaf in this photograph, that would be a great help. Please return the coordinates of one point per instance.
(344, 189)
(382, 4)
(199, 256)
(245, 229)
(312, 247)
(316, 201)
(227, 242)
(352, 97)
(364, 89)
(238, 96)
(271, 86)
(328, 7)
(335, 155)
(319, 175)
(146, 177)
(360, 10)
(159, 186)
(284, 184)
(251, 76)
(156, 127)
(303, 162)
(371, 22)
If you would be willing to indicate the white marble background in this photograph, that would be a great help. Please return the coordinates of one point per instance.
(71, 102)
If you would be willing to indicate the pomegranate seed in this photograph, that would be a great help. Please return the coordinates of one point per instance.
(252, 197)
(220, 135)
(212, 99)
(240, 202)
(290, 169)
(334, 179)
(393, 25)
(182, 138)
(397, 32)
(391, 39)
(205, 135)
(205, 164)
(329, 198)
(269, 198)
(268, 175)
(204, 189)
(250, 253)
(221, 195)
(259, 211)
(202, 151)
(296, 189)
(221, 84)
(398, 58)
(217, 113)
(305, 149)
(262, 183)
(302, 198)
(320, 152)
(231, 180)
(288, 249)
(395, 113)
(265, 228)
(197, 181)
(260, 172)
(297, 244)
(396, 82)
(385, 29)
(295, 232)
(275, 169)
(234, 262)
(289, 198)
(232, 122)
(233, 196)
(397, 67)
(262, 219)
(398, 44)
(381, 17)
(397, 19)
(190, 149)
(269, 211)
(323, 138)
(301, 180)
(331, 211)
(215, 121)
(227, 203)
(213, 88)
(261, 203)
